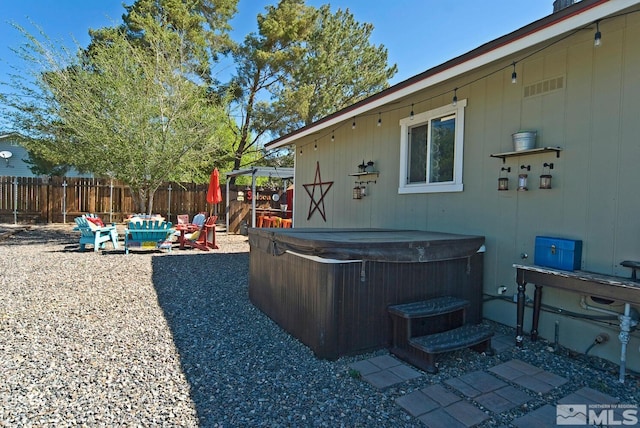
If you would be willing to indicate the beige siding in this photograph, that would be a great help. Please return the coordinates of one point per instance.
(595, 118)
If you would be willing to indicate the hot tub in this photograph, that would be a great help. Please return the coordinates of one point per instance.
(330, 288)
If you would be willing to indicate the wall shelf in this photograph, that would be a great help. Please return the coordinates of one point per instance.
(359, 174)
(505, 155)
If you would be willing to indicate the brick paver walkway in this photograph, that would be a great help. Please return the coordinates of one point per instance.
(473, 398)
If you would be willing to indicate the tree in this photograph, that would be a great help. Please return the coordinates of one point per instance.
(124, 111)
(202, 27)
(338, 67)
(261, 62)
(303, 64)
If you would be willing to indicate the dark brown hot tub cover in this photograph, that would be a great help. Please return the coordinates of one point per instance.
(382, 245)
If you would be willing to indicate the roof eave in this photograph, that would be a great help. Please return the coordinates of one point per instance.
(554, 25)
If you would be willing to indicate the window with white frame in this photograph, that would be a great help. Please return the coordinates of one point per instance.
(431, 148)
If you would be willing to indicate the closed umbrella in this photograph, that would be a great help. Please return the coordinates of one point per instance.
(214, 195)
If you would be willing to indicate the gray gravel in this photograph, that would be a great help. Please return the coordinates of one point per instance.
(157, 339)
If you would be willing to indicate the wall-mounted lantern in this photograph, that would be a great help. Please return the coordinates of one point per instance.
(522, 182)
(503, 182)
(522, 178)
(545, 179)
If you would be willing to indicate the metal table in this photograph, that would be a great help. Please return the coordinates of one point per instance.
(587, 283)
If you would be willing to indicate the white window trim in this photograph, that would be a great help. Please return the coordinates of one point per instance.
(453, 186)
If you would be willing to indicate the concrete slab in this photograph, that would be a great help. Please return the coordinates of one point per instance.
(405, 372)
(545, 416)
(463, 387)
(440, 394)
(494, 402)
(417, 403)
(382, 379)
(440, 419)
(466, 413)
(482, 381)
(385, 361)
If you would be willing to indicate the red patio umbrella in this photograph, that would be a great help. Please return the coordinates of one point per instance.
(214, 195)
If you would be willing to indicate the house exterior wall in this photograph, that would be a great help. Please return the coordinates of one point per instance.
(17, 166)
(594, 118)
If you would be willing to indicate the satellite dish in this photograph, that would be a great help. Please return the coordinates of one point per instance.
(5, 154)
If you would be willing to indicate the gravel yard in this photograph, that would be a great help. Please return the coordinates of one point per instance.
(171, 339)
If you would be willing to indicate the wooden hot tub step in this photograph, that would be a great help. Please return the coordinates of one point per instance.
(462, 337)
(429, 308)
(425, 348)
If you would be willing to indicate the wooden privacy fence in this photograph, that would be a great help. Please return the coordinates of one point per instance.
(60, 199)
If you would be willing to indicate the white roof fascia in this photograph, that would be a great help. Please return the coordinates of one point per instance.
(570, 23)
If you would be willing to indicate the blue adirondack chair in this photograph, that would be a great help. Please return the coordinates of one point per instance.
(95, 235)
(155, 234)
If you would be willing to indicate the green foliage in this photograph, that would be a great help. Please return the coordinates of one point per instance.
(261, 63)
(142, 104)
(121, 110)
(355, 374)
(201, 29)
(308, 63)
(337, 67)
(43, 166)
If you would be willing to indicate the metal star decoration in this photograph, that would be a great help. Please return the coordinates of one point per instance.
(317, 182)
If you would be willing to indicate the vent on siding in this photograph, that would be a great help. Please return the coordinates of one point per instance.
(543, 87)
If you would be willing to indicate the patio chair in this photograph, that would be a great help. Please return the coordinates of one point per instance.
(199, 219)
(205, 237)
(183, 218)
(94, 234)
(150, 234)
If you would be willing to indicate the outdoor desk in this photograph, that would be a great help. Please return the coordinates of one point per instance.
(586, 283)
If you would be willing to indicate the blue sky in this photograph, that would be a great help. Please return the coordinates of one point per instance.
(418, 34)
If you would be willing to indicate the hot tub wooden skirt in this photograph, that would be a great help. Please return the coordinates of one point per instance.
(338, 307)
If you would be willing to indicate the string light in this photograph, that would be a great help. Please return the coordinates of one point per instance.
(315, 145)
(514, 77)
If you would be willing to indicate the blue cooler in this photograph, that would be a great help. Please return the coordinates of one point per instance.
(558, 253)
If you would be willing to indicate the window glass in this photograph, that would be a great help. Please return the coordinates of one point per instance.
(442, 149)
(431, 149)
(418, 154)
